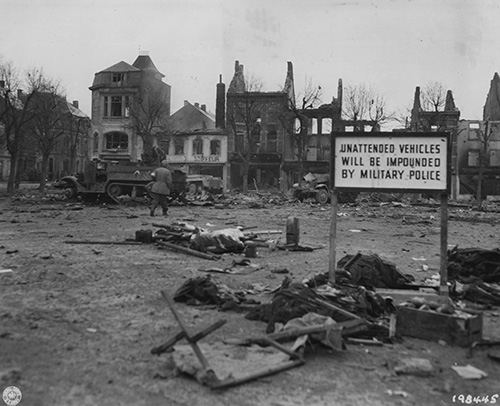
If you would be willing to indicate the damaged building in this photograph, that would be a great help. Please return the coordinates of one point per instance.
(256, 130)
(442, 121)
(479, 148)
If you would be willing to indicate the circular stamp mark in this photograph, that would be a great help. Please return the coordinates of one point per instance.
(12, 395)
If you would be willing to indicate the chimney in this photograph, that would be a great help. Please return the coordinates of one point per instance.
(340, 94)
(236, 66)
(203, 107)
(450, 103)
(220, 105)
(75, 103)
(197, 105)
(416, 100)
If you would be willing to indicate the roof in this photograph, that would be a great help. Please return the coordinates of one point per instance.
(121, 67)
(190, 117)
(144, 62)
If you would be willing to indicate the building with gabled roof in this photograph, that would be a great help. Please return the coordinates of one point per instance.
(194, 144)
(130, 107)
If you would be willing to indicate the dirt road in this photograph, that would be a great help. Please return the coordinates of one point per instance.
(77, 322)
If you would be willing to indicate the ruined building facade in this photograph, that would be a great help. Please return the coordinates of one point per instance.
(256, 131)
(479, 147)
(441, 121)
(130, 104)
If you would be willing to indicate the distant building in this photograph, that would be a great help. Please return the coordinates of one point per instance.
(124, 98)
(72, 148)
(478, 138)
(69, 154)
(471, 143)
(442, 121)
(194, 144)
(254, 121)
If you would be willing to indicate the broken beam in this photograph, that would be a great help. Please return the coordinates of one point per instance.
(189, 251)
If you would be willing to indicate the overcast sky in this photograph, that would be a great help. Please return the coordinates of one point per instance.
(391, 45)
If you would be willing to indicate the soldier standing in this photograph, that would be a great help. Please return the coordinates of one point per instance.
(160, 189)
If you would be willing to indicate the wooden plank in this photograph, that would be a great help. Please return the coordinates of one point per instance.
(188, 251)
(332, 263)
(443, 272)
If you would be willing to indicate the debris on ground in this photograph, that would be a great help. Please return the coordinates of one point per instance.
(469, 264)
(454, 327)
(469, 372)
(475, 274)
(368, 270)
(294, 300)
(203, 290)
(223, 370)
(414, 366)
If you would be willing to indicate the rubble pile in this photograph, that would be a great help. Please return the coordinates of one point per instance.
(469, 264)
(367, 270)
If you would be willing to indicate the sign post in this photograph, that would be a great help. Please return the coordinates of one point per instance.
(408, 162)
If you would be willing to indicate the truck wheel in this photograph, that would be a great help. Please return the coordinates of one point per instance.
(114, 190)
(322, 196)
(70, 192)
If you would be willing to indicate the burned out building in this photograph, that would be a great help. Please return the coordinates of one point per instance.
(442, 121)
(256, 131)
(130, 104)
(479, 147)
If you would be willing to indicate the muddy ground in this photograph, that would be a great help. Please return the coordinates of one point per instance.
(77, 322)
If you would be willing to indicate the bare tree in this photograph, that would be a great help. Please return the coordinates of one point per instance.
(364, 103)
(244, 118)
(484, 137)
(15, 115)
(51, 118)
(403, 117)
(77, 130)
(149, 112)
(296, 122)
(433, 96)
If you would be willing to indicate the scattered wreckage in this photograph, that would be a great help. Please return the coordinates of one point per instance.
(371, 303)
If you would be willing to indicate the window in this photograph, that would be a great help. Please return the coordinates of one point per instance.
(126, 110)
(434, 128)
(197, 146)
(474, 129)
(255, 138)
(495, 157)
(272, 138)
(215, 147)
(116, 106)
(326, 126)
(349, 128)
(117, 77)
(66, 166)
(314, 125)
(106, 106)
(116, 140)
(179, 146)
(96, 142)
(473, 158)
